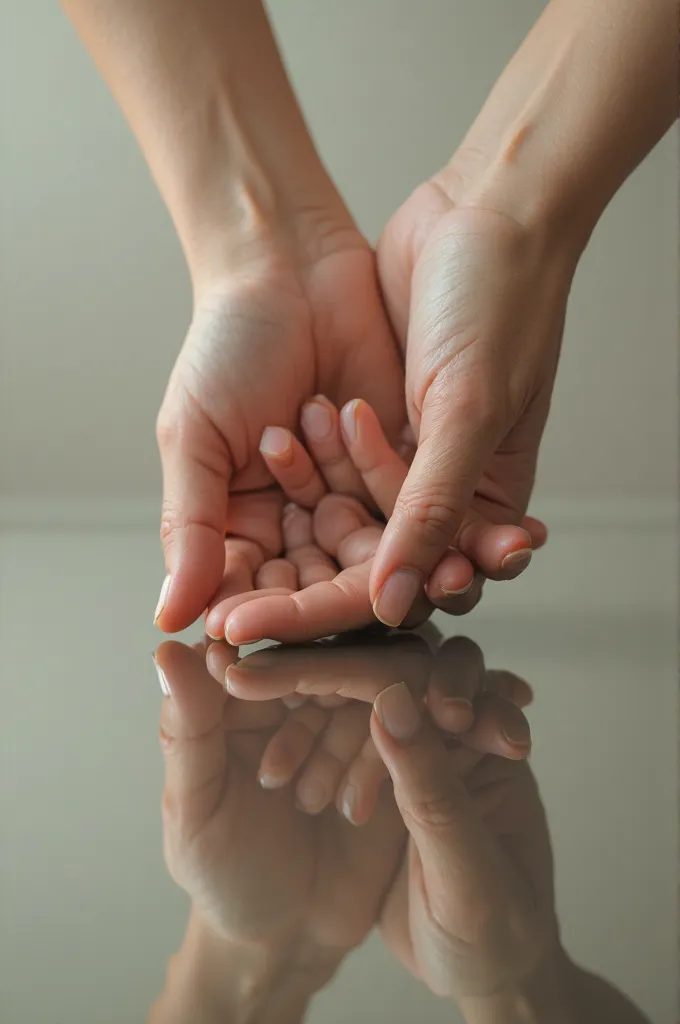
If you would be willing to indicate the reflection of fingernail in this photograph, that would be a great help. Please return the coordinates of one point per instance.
(457, 593)
(398, 713)
(316, 420)
(311, 796)
(349, 801)
(458, 704)
(162, 678)
(162, 599)
(348, 417)
(293, 701)
(396, 596)
(270, 781)
(275, 441)
(516, 561)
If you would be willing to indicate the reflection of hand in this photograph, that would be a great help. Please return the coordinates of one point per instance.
(270, 884)
(331, 755)
(320, 586)
(471, 911)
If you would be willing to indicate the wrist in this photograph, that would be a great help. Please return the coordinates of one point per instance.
(547, 996)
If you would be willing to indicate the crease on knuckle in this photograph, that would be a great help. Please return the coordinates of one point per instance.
(433, 812)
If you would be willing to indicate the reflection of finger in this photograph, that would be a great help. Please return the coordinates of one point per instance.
(288, 750)
(360, 788)
(219, 656)
(510, 686)
(456, 678)
(320, 426)
(319, 610)
(191, 735)
(330, 701)
(277, 572)
(382, 470)
(340, 743)
(291, 466)
(499, 728)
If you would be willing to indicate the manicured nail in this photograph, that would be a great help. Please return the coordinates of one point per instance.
(317, 421)
(311, 796)
(162, 599)
(517, 561)
(458, 593)
(349, 802)
(348, 417)
(162, 678)
(270, 781)
(398, 713)
(275, 441)
(396, 596)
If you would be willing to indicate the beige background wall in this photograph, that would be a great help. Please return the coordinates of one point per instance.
(93, 294)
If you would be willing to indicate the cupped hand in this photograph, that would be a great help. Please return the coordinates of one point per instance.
(471, 911)
(261, 874)
(478, 304)
(345, 478)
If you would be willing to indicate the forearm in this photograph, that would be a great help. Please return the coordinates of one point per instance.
(559, 993)
(586, 97)
(214, 981)
(206, 93)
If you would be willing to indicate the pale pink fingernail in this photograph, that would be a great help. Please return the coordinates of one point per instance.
(275, 441)
(317, 421)
(517, 561)
(162, 599)
(349, 802)
(162, 678)
(348, 417)
(458, 593)
(396, 596)
(268, 781)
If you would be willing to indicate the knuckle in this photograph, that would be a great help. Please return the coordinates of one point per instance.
(432, 811)
(434, 517)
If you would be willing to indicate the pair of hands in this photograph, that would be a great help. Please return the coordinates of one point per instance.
(452, 863)
(344, 476)
(323, 315)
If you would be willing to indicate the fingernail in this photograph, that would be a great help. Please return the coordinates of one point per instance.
(517, 561)
(458, 704)
(311, 796)
(396, 596)
(162, 599)
(516, 735)
(270, 781)
(348, 417)
(317, 421)
(230, 684)
(398, 713)
(293, 701)
(162, 678)
(349, 800)
(458, 593)
(275, 441)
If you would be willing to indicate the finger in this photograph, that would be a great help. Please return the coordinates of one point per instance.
(242, 560)
(382, 470)
(196, 474)
(321, 430)
(537, 531)
(297, 527)
(342, 740)
(345, 530)
(277, 573)
(291, 467)
(220, 612)
(191, 735)
(457, 437)
(360, 788)
(312, 565)
(458, 860)
(459, 604)
(501, 552)
(499, 728)
(510, 686)
(290, 747)
(452, 577)
(456, 678)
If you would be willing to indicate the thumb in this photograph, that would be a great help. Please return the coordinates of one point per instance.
(458, 857)
(458, 434)
(196, 472)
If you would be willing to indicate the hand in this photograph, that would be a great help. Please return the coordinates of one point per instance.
(478, 304)
(320, 587)
(298, 891)
(330, 755)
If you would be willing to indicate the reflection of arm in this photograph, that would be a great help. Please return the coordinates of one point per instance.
(590, 91)
(213, 981)
(206, 93)
(560, 993)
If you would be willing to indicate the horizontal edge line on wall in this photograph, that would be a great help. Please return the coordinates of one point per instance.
(101, 513)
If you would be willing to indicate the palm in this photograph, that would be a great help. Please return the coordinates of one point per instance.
(479, 945)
